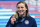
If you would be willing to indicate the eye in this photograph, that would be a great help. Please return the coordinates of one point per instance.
(22, 7)
(18, 7)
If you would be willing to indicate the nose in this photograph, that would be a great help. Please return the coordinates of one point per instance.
(20, 8)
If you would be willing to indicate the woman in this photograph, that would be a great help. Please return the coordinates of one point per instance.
(23, 20)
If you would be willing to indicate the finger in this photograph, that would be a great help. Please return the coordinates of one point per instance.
(14, 19)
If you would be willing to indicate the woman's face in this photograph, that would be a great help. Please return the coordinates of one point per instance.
(21, 8)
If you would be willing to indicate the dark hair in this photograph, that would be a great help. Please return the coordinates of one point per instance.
(25, 6)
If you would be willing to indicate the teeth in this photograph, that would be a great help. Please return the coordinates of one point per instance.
(21, 11)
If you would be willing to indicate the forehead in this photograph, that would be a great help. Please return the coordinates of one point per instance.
(21, 4)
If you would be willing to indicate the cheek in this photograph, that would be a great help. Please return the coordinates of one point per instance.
(24, 11)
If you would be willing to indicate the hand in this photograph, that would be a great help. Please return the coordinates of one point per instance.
(13, 19)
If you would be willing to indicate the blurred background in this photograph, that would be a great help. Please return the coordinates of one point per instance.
(8, 8)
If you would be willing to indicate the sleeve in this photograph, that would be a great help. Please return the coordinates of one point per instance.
(9, 24)
(34, 23)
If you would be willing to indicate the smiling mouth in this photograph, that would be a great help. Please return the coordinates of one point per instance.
(21, 10)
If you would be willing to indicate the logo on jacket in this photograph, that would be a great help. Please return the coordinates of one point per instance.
(26, 22)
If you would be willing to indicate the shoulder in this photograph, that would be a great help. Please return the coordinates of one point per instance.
(31, 18)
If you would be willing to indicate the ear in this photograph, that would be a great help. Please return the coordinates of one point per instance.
(26, 9)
